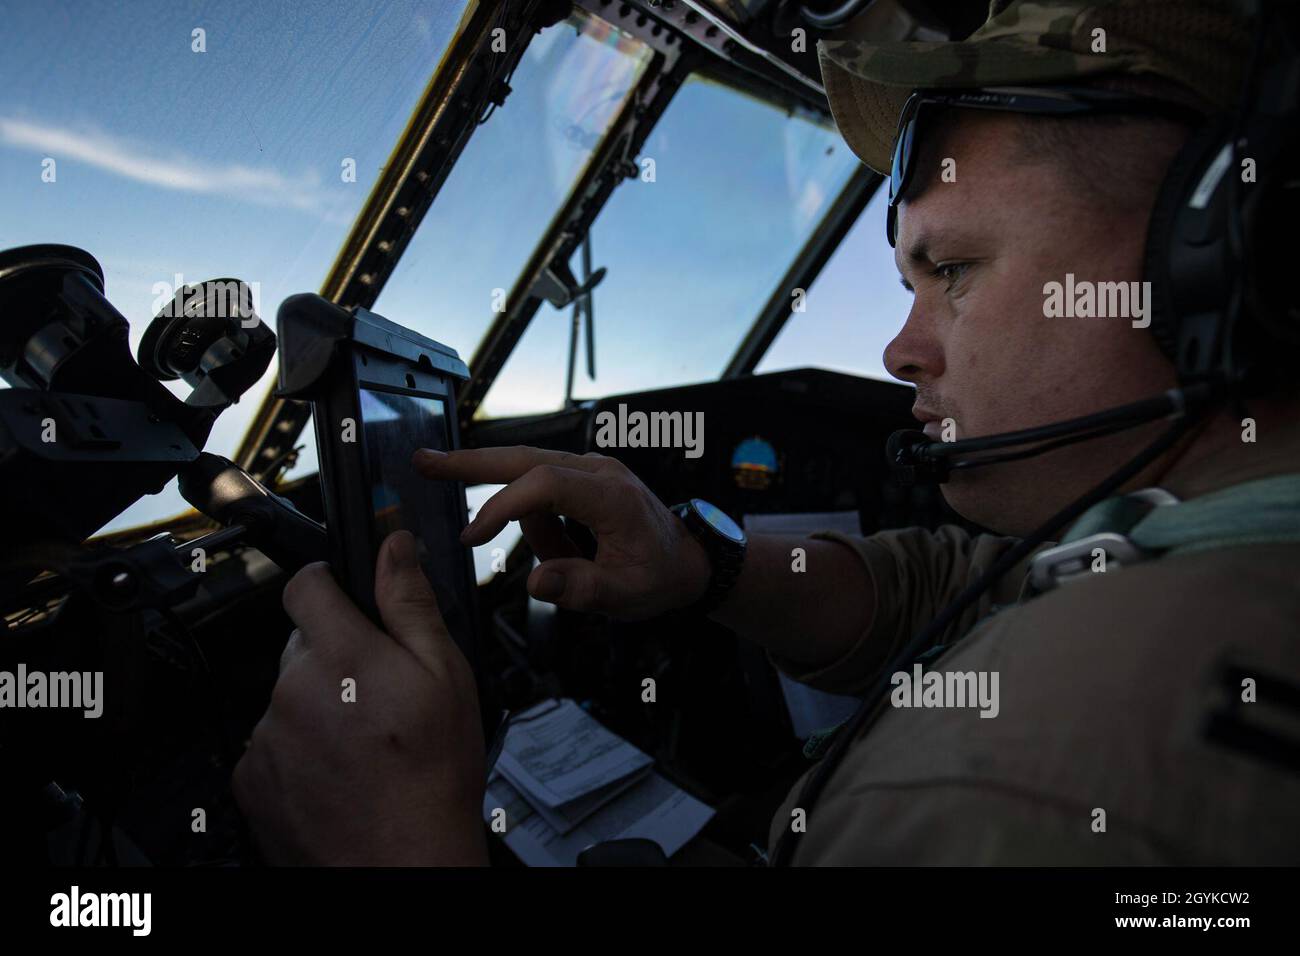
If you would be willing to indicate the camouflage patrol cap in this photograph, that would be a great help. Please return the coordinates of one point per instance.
(1201, 46)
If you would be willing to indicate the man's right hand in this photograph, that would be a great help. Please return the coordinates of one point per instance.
(646, 560)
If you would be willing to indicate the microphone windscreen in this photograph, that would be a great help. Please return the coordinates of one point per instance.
(907, 466)
(902, 442)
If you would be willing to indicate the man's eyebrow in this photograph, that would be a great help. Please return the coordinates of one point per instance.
(916, 254)
(919, 250)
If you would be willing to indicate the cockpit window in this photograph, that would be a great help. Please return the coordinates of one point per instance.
(183, 142)
(852, 310)
(729, 190)
(514, 175)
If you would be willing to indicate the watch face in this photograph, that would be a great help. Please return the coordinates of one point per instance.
(718, 520)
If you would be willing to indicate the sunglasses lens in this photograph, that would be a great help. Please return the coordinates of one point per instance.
(900, 168)
(902, 147)
(901, 164)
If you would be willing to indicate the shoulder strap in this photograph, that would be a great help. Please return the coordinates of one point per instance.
(1266, 510)
(1130, 530)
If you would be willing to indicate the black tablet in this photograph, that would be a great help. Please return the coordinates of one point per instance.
(378, 392)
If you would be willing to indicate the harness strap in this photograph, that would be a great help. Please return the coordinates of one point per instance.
(1151, 523)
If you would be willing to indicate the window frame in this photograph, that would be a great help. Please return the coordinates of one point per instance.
(565, 236)
(436, 136)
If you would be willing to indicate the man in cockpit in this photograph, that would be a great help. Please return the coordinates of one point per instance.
(1098, 752)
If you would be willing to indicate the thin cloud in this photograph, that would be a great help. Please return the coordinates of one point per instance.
(264, 187)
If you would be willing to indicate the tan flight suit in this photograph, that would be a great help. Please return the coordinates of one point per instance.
(1106, 684)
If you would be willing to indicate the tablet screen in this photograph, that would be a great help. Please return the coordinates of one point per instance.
(393, 426)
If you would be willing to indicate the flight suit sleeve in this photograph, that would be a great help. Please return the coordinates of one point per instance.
(916, 573)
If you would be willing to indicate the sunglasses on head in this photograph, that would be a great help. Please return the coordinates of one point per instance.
(1039, 100)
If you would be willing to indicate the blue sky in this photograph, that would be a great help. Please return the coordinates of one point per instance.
(693, 256)
(228, 163)
(222, 163)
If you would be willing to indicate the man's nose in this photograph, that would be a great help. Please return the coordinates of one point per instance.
(915, 353)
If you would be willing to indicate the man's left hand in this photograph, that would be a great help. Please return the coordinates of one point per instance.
(386, 770)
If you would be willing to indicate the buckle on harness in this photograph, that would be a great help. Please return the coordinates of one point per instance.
(1068, 561)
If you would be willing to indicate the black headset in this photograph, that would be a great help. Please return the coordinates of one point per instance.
(1222, 310)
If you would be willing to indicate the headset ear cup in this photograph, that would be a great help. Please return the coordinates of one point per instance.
(1184, 174)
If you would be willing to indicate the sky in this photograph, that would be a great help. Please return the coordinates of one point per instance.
(173, 162)
(177, 164)
(853, 310)
(692, 255)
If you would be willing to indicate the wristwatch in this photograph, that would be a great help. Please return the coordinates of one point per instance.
(724, 543)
